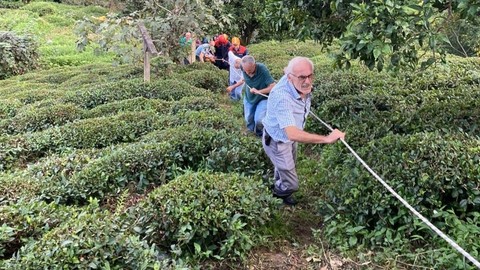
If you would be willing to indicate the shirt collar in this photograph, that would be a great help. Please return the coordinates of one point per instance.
(292, 90)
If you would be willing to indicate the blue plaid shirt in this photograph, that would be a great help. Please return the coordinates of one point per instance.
(285, 107)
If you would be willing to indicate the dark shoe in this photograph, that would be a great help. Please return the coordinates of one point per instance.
(287, 199)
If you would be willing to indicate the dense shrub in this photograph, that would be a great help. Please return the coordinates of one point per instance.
(32, 96)
(155, 161)
(42, 9)
(11, 4)
(171, 89)
(18, 185)
(29, 220)
(377, 112)
(53, 76)
(98, 74)
(431, 171)
(237, 153)
(179, 69)
(138, 165)
(219, 119)
(87, 133)
(215, 81)
(194, 103)
(21, 89)
(19, 54)
(9, 107)
(205, 215)
(126, 89)
(130, 105)
(91, 239)
(37, 117)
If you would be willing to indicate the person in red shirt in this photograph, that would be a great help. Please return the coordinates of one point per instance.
(238, 49)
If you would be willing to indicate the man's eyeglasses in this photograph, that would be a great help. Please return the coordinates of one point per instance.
(304, 78)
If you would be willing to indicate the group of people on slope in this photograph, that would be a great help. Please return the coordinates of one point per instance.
(223, 54)
(277, 112)
(214, 50)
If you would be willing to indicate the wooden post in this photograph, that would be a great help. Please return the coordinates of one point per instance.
(148, 48)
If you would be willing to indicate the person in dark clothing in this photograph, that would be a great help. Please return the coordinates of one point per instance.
(221, 52)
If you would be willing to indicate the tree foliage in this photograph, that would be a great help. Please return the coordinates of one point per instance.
(166, 20)
(380, 33)
(18, 54)
(247, 15)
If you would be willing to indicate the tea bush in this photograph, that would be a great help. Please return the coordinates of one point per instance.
(237, 153)
(219, 119)
(16, 186)
(13, 4)
(180, 69)
(91, 239)
(87, 133)
(21, 89)
(35, 118)
(157, 159)
(126, 89)
(46, 175)
(376, 113)
(28, 220)
(29, 96)
(19, 54)
(215, 81)
(172, 89)
(130, 105)
(431, 170)
(9, 107)
(194, 103)
(41, 8)
(154, 161)
(101, 132)
(98, 74)
(53, 76)
(206, 215)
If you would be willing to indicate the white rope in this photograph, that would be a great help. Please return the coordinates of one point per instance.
(415, 212)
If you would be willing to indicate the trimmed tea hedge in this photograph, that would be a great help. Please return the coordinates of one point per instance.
(195, 103)
(87, 133)
(25, 221)
(37, 117)
(430, 170)
(213, 80)
(169, 90)
(205, 215)
(90, 239)
(130, 105)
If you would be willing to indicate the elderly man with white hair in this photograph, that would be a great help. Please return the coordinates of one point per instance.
(287, 109)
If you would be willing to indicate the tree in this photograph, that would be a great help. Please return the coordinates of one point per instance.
(380, 33)
(247, 15)
(167, 21)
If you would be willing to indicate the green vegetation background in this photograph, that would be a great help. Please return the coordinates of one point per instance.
(99, 170)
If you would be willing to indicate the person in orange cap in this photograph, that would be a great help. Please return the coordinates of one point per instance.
(238, 49)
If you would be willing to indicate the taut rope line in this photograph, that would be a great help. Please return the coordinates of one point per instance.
(396, 195)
